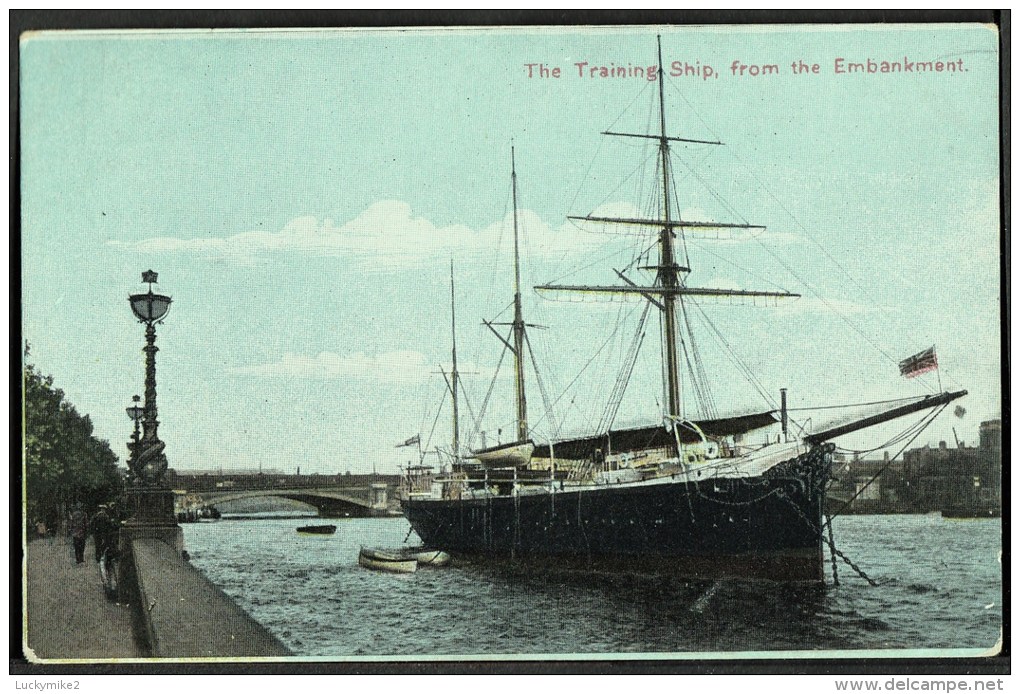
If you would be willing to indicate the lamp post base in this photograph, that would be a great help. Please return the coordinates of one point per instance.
(150, 513)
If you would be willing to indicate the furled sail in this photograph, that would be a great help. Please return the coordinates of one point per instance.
(643, 438)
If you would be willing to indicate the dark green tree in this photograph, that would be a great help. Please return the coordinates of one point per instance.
(65, 463)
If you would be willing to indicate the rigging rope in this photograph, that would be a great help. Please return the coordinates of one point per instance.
(581, 372)
(698, 376)
(541, 387)
(804, 229)
(745, 370)
(471, 411)
(485, 402)
(435, 421)
(920, 426)
(626, 370)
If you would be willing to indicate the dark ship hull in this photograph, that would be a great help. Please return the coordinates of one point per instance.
(761, 527)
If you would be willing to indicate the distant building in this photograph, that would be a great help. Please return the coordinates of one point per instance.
(870, 485)
(240, 479)
(927, 479)
(943, 477)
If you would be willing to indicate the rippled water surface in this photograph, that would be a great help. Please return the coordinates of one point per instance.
(941, 588)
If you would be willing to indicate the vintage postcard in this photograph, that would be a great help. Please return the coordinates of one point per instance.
(526, 343)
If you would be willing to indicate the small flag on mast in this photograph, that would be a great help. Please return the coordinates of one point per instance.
(411, 441)
(920, 363)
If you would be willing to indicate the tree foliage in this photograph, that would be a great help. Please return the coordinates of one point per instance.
(65, 463)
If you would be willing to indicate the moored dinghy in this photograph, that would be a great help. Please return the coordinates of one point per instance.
(431, 558)
(385, 560)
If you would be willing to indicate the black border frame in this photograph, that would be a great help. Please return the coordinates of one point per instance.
(31, 20)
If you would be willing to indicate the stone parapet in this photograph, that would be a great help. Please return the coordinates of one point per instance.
(184, 615)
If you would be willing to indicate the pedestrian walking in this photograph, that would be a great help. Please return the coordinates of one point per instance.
(104, 532)
(79, 528)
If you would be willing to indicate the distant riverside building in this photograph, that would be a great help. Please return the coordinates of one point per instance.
(927, 479)
(991, 436)
(943, 477)
(218, 472)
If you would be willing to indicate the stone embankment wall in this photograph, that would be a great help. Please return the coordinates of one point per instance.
(181, 614)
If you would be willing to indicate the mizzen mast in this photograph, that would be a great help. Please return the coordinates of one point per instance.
(518, 324)
(454, 375)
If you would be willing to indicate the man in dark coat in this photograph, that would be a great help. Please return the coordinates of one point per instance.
(78, 528)
(104, 532)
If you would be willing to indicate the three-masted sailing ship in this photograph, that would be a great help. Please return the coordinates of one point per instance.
(687, 498)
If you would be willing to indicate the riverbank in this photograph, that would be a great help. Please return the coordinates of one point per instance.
(69, 616)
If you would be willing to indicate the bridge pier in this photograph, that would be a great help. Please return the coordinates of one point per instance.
(380, 494)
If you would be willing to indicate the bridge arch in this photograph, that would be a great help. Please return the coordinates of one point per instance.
(329, 503)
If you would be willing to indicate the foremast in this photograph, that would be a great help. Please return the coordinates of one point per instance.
(670, 281)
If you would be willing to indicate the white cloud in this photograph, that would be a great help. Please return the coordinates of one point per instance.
(387, 232)
(400, 366)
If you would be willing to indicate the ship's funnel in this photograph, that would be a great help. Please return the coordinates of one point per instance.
(782, 409)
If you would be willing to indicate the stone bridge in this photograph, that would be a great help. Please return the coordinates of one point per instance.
(330, 501)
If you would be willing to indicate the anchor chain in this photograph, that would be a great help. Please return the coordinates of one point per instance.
(832, 555)
(832, 545)
(860, 572)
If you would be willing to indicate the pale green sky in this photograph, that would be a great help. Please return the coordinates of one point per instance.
(301, 195)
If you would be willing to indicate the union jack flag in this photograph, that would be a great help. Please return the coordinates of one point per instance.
(920, 363)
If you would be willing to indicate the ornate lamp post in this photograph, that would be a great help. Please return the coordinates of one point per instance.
(152, 501)
(150, 308)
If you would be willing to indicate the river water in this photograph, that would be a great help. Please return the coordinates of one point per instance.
(941, 589)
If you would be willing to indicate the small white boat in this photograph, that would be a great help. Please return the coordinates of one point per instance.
(383, 560)
(517, 454)
(431, 558)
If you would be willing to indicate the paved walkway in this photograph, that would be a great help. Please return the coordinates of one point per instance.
(69, 616)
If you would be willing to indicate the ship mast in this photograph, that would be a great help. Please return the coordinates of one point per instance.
(454, 375)
(668, 286)
(518, 324)
(517, 341)
(667, 270)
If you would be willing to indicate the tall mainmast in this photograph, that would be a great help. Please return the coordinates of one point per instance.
(666, 275)
(454, 375)
(518, 324)
(668, 283)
